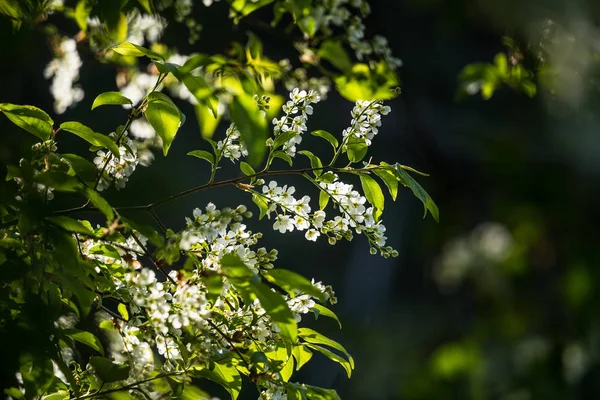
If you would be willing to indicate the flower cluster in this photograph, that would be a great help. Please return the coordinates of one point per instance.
(145, 27)
(231, 147)
(292, 213)
(296, 112)
(64, 71)
(118, 169)
(366, 119)
(214, 233)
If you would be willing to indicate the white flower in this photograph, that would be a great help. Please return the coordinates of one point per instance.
(65, 72)
(283, 223)
(312, 235)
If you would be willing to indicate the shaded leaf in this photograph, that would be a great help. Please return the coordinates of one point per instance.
(29, 118)
(86, 338)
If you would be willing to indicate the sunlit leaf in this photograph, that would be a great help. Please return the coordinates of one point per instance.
(108, 98)
(29, 118)
(87, 134)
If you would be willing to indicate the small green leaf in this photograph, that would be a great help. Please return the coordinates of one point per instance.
(428, 203)
(247, 169)
(372, 191)
(302, 355)
(282, 138)
(252, 126)
(262, 204)
(323, 199)
(130, 49)
(108, 98)
(122, 308)
(29, 118)
(390, 180)
(322, 310)
(313, 337)
(315, 162)
(411, 169)
(148, 6)
(333, 357)
(284, 156)
(101, 204)
(86, 338)
(164, 116)
(109, 371)
(70, 224)
(357, 149)
(327, 136)
(205, 155)
(291, 281)
(96, 139)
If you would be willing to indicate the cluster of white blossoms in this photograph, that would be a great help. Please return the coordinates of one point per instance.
(138, 87)
(214, 233)
(366, 119)
(118, 169)
(292, 213)
(145, 27)
(64, 71)
(296, 112)
(231, 147)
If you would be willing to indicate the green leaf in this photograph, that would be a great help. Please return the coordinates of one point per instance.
(122, 308)
(390, 180)
(291, 281)
(234, 268)
(86, 338)
(333, 357)
(81, 14)
(356, 149)
(247, 169)
(241, 8)
(205, 155)
(313, 337)
(334, 52)
(206, 118)
(277, 308)
(327, 136)
(225, 375)
(372, 191)
(302, 355)
(428, 203)
(109, 371)
(315, 162)
(262, 204)
(322, 310)
(70, 224)
(108, 98)
(101, 204)
(284, 156)
(164, 116)
(252, 126)
(96, 139)
(130, 49)
(365, 83)
(29, 118)
(282, 138)
(59, 181)
(323, 199)
(84, 169)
